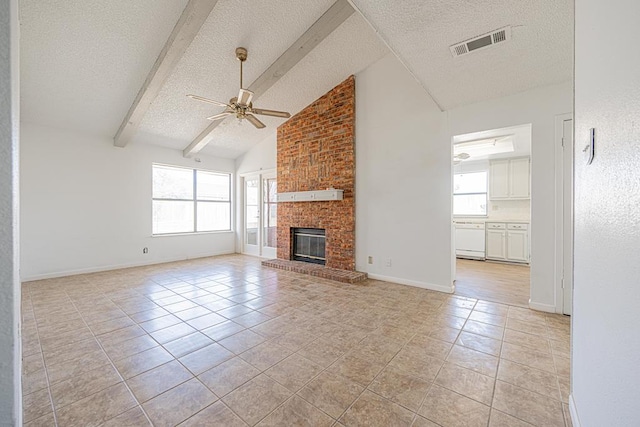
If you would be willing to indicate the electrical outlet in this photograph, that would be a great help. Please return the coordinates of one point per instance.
(495, 207)
(370, 260)
(388, 262)
(145, 250)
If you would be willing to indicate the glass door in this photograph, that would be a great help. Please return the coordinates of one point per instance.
(252, 215)
(269, 216)
(260, 215)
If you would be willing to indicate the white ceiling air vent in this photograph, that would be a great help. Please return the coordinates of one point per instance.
(481, 42)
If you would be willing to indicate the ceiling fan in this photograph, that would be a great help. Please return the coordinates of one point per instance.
(241, 105)
(460, 157)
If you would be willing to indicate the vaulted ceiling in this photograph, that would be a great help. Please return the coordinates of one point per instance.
(84, 62)
(420, 32)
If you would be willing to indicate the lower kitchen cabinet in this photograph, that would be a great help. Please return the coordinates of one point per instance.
(496, 244)
(507, 242)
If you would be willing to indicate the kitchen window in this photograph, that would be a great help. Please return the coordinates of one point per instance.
(189, 200)
(470, 194)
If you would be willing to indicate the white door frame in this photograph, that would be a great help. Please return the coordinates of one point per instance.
(564, 216)
(260, 176)
(454, 260)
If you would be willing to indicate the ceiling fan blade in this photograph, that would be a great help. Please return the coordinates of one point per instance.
(209, 101)
(254, 121)
(273, 113)
(244, 97)
(220, 116)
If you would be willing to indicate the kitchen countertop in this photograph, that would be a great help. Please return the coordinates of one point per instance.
(485, 220)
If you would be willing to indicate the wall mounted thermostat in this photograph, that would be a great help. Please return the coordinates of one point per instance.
(590, 149)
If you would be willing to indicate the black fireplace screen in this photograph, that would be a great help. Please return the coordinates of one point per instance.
(309, 245)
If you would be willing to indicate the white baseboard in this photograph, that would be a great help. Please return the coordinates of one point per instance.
(573, 412)
(542, 307)
(415, 283)
(87, 270)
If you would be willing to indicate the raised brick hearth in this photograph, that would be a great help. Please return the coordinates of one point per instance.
(316, 152)
(316, 270)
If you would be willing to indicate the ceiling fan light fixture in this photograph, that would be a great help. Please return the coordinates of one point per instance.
(485, 147)
(244, 97)
(241, 106)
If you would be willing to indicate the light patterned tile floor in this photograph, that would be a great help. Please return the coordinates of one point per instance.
(225, 341)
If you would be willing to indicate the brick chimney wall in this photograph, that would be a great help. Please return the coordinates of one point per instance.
(316, 151)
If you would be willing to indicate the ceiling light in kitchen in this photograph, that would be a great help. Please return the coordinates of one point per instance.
(483, 148)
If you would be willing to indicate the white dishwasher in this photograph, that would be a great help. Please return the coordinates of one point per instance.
(470, 239)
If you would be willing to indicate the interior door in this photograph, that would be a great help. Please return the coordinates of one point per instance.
(251, 233)
(567, 215)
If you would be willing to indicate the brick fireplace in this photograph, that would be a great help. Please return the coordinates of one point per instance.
(316, 152)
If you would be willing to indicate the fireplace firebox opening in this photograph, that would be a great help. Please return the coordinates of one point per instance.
(308, 244)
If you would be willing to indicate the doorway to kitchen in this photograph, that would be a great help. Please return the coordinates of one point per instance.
(492, 213)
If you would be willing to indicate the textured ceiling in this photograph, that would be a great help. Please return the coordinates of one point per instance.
(209, 69)
(420, 32)
(83, 62)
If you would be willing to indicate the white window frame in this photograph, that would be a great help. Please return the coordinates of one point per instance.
(194, 200)
(486, 194)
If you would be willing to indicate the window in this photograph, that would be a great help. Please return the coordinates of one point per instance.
(470, 193)
(190, 200)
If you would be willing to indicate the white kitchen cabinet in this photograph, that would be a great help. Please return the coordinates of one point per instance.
(519, 177)
(509, 179)
(496, 241)
(507, 242)
(499, 179)
(517, 244)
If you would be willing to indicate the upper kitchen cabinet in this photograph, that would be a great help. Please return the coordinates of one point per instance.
(509, 179)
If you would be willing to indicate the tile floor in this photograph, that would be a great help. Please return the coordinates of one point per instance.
(224, 341)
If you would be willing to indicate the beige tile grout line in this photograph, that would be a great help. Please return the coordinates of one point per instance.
(163, 347)
(44, 363)
(112, 365)
(495, 380)
(366, 388)
(313, 378)
(219, 398)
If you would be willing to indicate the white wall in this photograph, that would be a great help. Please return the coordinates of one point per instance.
(10, 349)
(403, 179)
(606, 342)
(86, 205)
(261, 157)
(538, 107)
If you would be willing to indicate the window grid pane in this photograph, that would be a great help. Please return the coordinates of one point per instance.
(172, 183)
(190, 200)
(213, 216)
(470, 204)
(470, 183)
(172, 216)
(470, 193)
(213, 186)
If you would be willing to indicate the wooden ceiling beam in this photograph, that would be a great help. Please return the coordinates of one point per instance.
(191, 20)
(320, 30)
